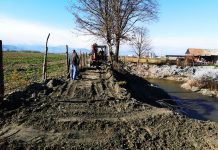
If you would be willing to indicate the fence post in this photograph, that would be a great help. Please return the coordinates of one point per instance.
(84, 63)
(86, 59)
(2, 89)
(67, 59)
(80, 58)
(44, 77)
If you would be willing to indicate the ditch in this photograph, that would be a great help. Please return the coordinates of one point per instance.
(194, 105)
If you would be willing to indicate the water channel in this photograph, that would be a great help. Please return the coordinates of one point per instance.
(192, 104)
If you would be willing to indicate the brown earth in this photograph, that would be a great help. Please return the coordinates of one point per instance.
(104, 109)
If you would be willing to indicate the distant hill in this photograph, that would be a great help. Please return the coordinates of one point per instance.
(9, 47)
(41, 48)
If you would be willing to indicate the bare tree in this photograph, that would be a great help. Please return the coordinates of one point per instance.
(140, 42)
(93, 17)
(112, 19)
(127, 13)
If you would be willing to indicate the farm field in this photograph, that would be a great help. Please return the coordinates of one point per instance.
(23, 68)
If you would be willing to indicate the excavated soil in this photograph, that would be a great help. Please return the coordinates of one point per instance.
(104, 109)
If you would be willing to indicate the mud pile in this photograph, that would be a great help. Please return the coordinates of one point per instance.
(102, 110)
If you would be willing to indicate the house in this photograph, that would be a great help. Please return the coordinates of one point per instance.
(208, 55)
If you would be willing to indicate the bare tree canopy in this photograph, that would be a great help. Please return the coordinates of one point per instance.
(140, 42)
(112, 19)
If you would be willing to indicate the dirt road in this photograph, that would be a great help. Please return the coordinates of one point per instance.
(101, 110)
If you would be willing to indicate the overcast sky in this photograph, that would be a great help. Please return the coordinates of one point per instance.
(182, 24)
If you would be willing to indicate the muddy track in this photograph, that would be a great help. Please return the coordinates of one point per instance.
(101, 110)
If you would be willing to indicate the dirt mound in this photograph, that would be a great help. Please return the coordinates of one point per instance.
(102, 110)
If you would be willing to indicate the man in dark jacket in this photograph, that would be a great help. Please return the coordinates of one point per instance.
(75, 63)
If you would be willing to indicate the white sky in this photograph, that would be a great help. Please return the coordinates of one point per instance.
(182, 24)
(14, 32)
(20, 32)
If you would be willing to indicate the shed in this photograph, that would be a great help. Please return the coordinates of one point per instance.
(210, 55)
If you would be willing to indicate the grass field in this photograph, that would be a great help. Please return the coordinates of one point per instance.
(22, 68)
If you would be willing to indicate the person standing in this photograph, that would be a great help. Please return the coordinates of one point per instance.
(75, 63)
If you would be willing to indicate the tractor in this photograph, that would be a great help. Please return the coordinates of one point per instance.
(98, 55)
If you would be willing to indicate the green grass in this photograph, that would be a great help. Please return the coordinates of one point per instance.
(22, 68)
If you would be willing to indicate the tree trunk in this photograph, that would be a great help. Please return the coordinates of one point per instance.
(117, 49)
(110, 52)
(139, 57)
(1, 74)
(138, 61)
(45, 60)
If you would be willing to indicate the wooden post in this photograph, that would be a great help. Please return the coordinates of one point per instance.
(80, 57)
(84, 60)
(2, 89)
(84, 57)
(67, 59)
(44, 77)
